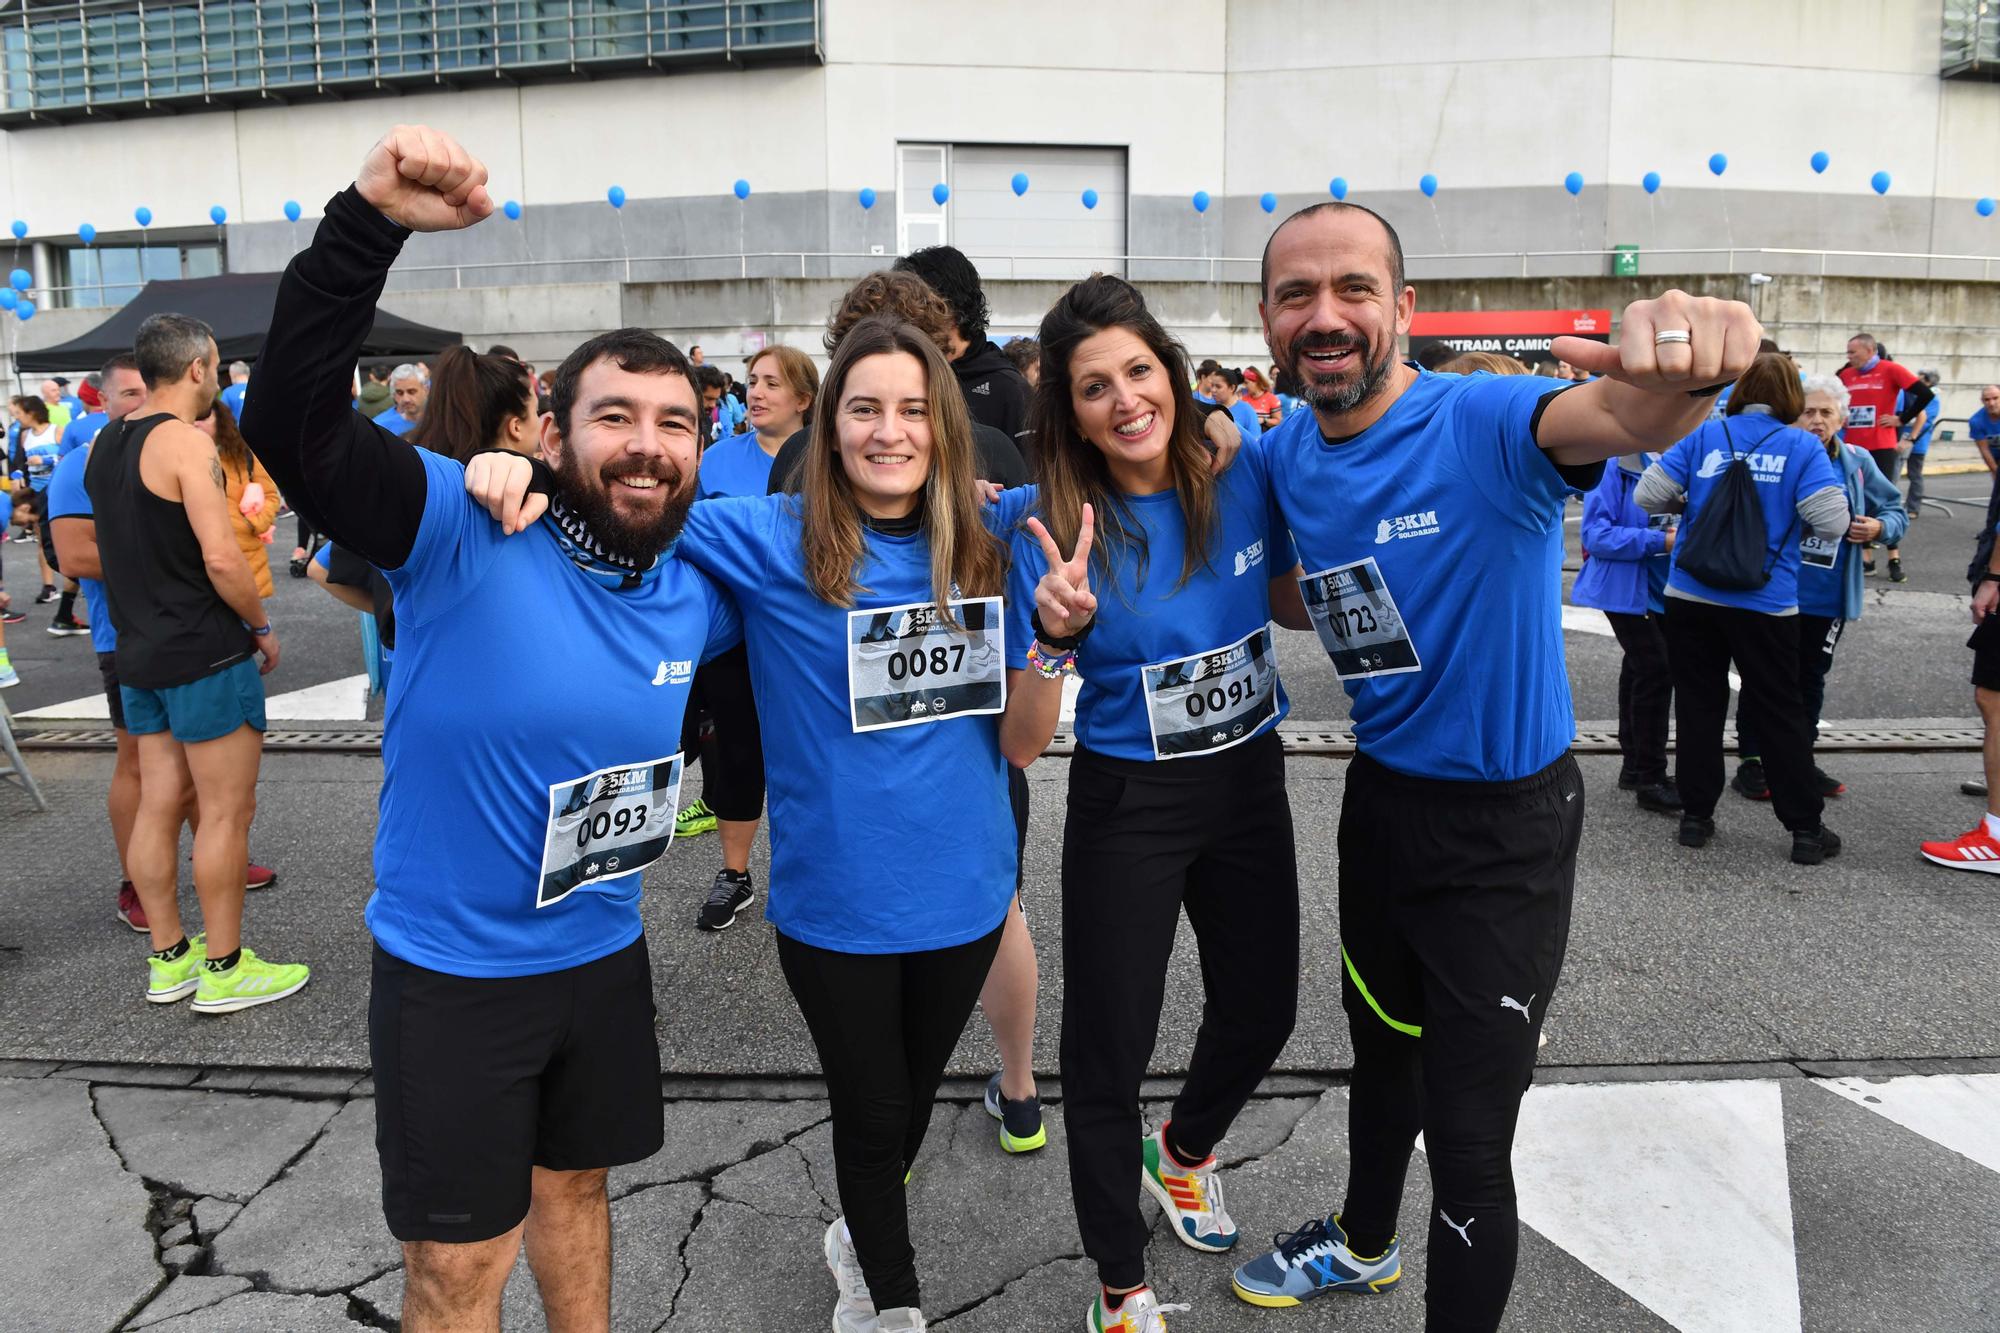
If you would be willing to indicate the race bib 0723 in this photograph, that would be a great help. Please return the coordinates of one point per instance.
(908, 664)
(1212, 700)
(1358, 623)
(606, 824)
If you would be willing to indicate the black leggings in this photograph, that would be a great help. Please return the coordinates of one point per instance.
(1454, 917)
(731, 747)
(884, 1025)
(1645, 695)
(1818, 637)
(1145, 841)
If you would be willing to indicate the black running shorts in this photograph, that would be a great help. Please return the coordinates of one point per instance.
(107, 672)
(1985, 646)
(477, 1079)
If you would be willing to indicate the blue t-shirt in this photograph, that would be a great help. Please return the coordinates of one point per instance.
(882, 841)
(1920, 439)
(68, 499)
(1437, 540)
(1981, 425)
(232, 398)
(1180, 630)
(736, 466)
(391, 419)
(470, 792)
(1786, 464)
(81, 432)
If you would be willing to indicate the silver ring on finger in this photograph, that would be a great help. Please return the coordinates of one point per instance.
(1665, 336)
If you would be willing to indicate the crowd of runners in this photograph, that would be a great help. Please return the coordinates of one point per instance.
(855, 597)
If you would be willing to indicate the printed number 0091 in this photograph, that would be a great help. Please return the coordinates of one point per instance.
(1217, 699)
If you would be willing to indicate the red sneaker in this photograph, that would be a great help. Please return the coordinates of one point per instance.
(259, 877)
(129, 910)
(1977, 850)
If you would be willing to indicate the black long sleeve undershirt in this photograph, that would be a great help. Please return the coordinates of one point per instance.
(360, 484)
(1915, 399)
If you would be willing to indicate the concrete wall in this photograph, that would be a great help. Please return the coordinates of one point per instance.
(1235, 97)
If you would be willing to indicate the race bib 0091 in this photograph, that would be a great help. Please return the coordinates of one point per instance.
(1358, 623)
(606, 824)
(907, 664)
(1212, 700)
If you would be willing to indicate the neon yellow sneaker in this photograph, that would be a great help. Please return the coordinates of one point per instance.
(167, 982)
(694, 819)
(251, 982)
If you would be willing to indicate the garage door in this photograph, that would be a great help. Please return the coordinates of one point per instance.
(1045, 233)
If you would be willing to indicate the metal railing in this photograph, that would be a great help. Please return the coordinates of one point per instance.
(1971, 40)
(62, 62)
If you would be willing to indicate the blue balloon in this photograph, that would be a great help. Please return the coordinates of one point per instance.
(1090, 199)
(867, 197)
(26, 310)
(1573, 182)
(22, 279)
(741, 189)
(1651, 180)
(1984, 208)
(616, 196)
(1820, 161)
(1718, 163)
(20, 229)
(1337, 187)
(1880, 180)
(512, 208)
(143, 216)
(292, 210)
(1429, 185)
(86, 233)
(939, 193)
(1020, 183)
(1201, 201)
(218, 214)
(9, 298)
(1268, 202)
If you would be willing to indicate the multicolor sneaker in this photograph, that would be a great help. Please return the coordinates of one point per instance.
(694, 820)
(167, 982)
(250, 983)
(130, 911)
(1139, 1312)
(1191, 1196)
(1977, 850)
(1311, 1262)
(9, 677)
(854, 1308)
(1021, 1128)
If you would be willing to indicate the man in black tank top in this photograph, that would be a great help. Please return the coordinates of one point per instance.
(193, 642)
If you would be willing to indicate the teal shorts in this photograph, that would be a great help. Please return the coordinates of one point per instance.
(201, 710)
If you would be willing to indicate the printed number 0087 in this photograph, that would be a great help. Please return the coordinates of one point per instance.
(937, 662)
(625, 819)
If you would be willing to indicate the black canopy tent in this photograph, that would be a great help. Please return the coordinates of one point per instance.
(238, 307)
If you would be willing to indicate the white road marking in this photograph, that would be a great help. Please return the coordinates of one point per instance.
(1957, 1111)
(342, 700)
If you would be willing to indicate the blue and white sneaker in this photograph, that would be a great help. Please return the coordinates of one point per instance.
(1311, 1262)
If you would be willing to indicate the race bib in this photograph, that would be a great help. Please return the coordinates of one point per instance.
(1859, 416)
(1358, 623)
(1212, 700)
(1819, 552)
(609, 823)
(906, 664)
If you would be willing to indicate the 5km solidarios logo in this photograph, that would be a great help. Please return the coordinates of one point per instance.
(1424, 524)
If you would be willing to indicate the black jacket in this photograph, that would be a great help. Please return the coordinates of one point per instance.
(996, 394)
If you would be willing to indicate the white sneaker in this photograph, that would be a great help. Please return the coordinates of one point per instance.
(903, 1319)
(854, 1309)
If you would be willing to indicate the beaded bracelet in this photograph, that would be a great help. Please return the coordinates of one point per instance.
(1049, 667)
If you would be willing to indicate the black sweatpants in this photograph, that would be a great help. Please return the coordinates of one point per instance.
(1818, 637)
(1143, 842)
(884, 1025)
(732, 745)
(1702, 640)
(1645, 695)
(1454, 915)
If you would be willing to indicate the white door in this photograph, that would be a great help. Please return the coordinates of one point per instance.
(920, 219)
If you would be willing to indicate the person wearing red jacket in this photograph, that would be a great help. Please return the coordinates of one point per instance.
(1873, 381)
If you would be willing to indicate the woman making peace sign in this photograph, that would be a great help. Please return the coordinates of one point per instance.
(1177, 790)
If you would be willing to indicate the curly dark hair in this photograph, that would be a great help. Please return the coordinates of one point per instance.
(952, 276)
(636, 350)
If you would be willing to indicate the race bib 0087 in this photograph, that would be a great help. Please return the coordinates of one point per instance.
(908, 665)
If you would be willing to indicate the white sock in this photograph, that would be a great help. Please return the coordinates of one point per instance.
(1993, 826)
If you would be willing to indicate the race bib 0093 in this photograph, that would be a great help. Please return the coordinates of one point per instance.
(1212, 700)
(1358, 623)
(907, 664)
(606, 824)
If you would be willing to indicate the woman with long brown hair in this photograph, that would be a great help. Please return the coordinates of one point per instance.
(253, 496)
(1157, 582)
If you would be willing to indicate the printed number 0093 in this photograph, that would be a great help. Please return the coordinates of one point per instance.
(937, 662)
(625, 819)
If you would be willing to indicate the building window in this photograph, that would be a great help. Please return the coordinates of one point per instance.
(102, 275)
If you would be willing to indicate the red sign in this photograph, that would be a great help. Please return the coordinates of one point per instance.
(1523, 334)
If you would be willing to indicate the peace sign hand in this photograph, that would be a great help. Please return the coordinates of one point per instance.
(1063, 596)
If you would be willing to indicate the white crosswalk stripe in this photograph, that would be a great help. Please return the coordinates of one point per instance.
(1957, 1111)
(342, 700)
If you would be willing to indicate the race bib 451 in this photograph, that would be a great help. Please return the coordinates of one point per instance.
(606, 824)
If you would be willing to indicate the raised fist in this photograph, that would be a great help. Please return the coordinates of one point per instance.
(425, 180)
